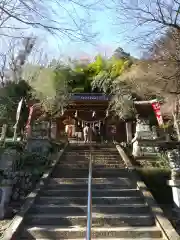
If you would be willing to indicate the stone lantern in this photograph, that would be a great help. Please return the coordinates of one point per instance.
(173, 154)
(174, 163)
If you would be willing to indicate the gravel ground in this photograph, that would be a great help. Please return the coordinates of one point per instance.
(13, 209)
(4, 225)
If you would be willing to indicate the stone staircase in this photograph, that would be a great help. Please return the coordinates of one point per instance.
(118, 208)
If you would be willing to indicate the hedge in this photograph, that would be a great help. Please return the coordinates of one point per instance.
(156, 181)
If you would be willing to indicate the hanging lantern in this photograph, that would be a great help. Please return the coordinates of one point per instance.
(107, 113)
(76, 113)
(93, 114)
(62, 111)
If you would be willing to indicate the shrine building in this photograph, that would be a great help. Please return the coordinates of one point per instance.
(90, 108)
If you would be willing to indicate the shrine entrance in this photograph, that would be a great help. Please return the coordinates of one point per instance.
(91, 109)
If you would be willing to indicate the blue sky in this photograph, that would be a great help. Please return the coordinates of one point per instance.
(108, 39)
(103, 22)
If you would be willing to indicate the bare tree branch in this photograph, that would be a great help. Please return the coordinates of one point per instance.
(59, 17)
(3, 62)
(148, 15)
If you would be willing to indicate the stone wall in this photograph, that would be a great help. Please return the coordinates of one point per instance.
(24, 169)
(22, 183)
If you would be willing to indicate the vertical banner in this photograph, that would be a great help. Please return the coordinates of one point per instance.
(157, 109)
(19, 110)
(18, 113)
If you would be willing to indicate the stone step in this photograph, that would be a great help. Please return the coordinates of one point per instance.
(86, 165)
(75, 181)
(29, 237)
(94, 149)
(95, 193)
(42, 232)
(110, 173)
(69, 173)
(76, 209)
(98, 220)
(86, 161)
(95, 152)
(84, 187)
(78, 148)
(87, 156)
(83, 200)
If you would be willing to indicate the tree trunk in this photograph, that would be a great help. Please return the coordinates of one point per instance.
(176, 118)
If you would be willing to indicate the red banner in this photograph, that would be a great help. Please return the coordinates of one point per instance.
(157, 109)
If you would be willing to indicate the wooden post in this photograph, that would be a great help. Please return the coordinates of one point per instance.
(129, 132)
(3, 133)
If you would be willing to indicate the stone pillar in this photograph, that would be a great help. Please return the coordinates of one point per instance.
(4, 132)
(5, 194)
(174, 183)
(174, 163)
(154, 132)
(129, 131)
(53, 130)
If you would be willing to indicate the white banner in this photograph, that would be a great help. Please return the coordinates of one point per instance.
(19, 110)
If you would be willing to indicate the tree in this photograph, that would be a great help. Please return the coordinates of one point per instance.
(18, 62)
(52, 87)
(13, 59)
(148, 18)
(107, 78)
(62, 85)
(158, 74)
(167, 52)
(14, 88)
(119, 53)
(10, 95)
(106, 71)
(3, 61)
(80, 77)
(18, 16)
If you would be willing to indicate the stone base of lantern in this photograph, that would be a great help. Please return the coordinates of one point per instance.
(175, 185)
(5, 193)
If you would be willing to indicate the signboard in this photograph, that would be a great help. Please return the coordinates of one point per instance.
(40, 130)
(95, 97)
(39, 146)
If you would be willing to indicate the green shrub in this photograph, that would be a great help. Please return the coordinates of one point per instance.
(32, 161)
(156, 181)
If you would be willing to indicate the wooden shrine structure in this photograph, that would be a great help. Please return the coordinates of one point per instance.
(91, 108)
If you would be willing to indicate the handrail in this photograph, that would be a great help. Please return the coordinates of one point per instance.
(89, 203)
